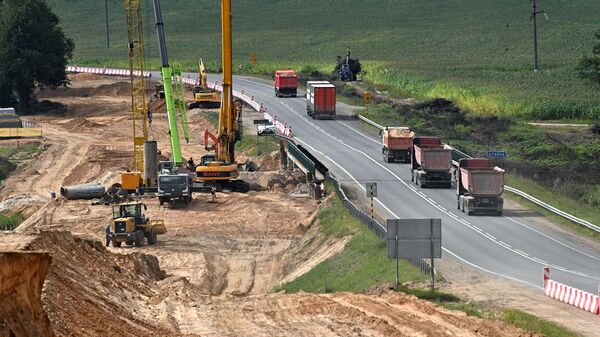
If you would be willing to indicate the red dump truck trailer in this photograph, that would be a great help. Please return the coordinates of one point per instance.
(286, 83)
(479, 186)
(320, 100)
(397, 144)
(431, 162)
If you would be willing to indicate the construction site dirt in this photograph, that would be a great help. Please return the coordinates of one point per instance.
(211, 274)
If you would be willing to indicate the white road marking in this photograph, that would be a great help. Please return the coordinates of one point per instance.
(553, 239)
(491, 272)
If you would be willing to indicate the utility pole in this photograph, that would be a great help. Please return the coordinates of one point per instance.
(534, 13)
(106, 23)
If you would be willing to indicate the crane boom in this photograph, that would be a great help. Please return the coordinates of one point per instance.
(227, 116)
(139, 106)
(221, 167)
(180, 101)
(167, 77)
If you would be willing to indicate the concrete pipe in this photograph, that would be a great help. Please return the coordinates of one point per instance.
(85, 191)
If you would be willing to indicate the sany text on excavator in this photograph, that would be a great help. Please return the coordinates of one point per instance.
(220, 168)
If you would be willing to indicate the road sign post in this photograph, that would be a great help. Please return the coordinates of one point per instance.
(367, 96)
(414, 238)
(397, 267)
(372, 193)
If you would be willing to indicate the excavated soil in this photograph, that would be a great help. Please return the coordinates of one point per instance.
(210, 275)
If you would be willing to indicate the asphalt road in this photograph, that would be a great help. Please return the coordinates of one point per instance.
(508, 246)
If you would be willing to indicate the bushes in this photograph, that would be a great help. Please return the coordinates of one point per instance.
(10, 221)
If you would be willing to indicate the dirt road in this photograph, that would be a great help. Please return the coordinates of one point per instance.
(210, 275)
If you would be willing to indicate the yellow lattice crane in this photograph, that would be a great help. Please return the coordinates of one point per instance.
(139, 104)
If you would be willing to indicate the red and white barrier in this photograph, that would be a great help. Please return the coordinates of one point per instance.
(105, 71)
(573, 296)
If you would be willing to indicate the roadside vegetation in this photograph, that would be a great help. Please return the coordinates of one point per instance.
(531, 323)
(250, 144)
(254, 145)
(362, 264)
(427, 53)
(11, 156)
(9, 222)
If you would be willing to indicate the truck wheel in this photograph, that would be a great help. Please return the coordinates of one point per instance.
(129, 242)
(161, 201)
(139, 238)
(499, 213)
(152, 236)
(116, 243)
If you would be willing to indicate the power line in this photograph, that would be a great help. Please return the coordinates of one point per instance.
(534, 13)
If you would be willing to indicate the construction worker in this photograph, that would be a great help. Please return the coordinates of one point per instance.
(191, 165)
(213, 193)
(107, 231)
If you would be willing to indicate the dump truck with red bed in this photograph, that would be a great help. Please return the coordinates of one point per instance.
(479, 186)
(286, 83)
(431, 162)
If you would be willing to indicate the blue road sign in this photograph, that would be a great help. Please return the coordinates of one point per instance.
(497, 154)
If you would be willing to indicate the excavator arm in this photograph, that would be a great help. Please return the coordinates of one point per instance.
(202, 75)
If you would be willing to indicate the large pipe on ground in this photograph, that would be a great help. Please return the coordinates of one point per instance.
(84, 191)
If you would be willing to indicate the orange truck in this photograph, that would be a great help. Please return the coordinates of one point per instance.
(397, 143)
(286, 83)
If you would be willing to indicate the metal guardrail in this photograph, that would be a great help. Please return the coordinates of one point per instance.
(375, 226)
(553, 209)
(457, 155)
(304, 160)
(370, 122)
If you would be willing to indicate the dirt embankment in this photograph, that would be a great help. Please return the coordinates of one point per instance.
(21, 278)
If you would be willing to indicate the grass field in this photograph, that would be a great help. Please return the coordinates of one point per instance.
(475, 52)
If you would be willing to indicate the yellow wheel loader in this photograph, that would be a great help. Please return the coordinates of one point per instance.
(131, 226)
